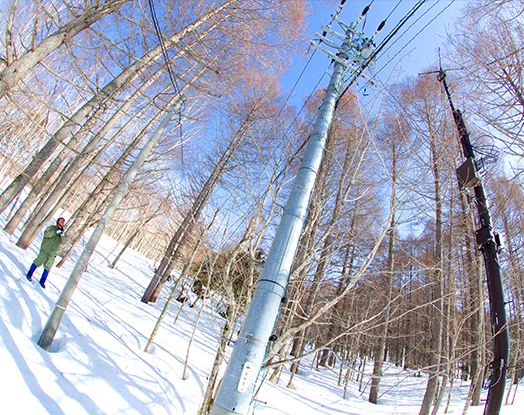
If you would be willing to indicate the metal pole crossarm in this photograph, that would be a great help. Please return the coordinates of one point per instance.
(343, 62)
(347, 27)
(325, 40)
(333, 33)
(333, 45)
(237, 387)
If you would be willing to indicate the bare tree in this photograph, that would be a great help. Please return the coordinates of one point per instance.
(487, 44)
(395, 140)
(120, 82)
(248, 116)
(17, 67)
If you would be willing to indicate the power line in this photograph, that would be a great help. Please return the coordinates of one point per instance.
(383, 23)
(384, 88)
(162, 45)
(307, 99)
(381, 46)
(416, 34)
(296, 84)
(333, 16)
(338, 11)
(169, 71)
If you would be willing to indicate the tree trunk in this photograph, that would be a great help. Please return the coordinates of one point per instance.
(50, 171)
(379, 357)
(120, 81)
(312, 221)
(195, 326)
(82, 211)
(451, 331)
(327, 249)
(176, 286)
(436, 335)
(223, 341)
(190, 219)
(126, 245)
(35, 225)
(381, 348)
(18, 69)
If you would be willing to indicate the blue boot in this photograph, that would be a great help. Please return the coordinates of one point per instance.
(32, 269)
(44, 277)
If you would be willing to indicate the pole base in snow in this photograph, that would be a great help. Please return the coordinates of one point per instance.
(49, 331)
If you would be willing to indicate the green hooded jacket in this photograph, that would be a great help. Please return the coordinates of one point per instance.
(52, 242)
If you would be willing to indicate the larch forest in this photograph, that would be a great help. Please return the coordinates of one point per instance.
(387, 267)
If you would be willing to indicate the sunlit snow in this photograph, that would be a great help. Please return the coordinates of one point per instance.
(97, 365)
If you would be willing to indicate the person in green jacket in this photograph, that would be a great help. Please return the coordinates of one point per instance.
(54, 238)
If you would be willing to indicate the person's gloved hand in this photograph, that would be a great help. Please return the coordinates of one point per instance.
(60, 232)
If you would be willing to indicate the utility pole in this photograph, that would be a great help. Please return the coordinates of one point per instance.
(48, 334)
(489, 244)
(237, 387)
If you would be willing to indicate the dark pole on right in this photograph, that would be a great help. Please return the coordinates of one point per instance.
(489, 244)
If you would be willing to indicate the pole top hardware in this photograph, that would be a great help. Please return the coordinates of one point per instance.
(354, 51)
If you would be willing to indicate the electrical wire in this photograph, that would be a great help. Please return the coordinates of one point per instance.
(307, 100)
(411, 40)
(381, 46)
(416, 34)
(384, 88)
(393, 10)
(339, 9)
(162, 46)
(172, 77)
(334, 15)
(383, 23)
(384, 43)
(296, 83)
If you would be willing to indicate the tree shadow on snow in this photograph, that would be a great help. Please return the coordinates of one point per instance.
(31, 380)
(102, 365)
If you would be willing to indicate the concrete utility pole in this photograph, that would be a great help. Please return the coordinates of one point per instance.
(48, 334)
(238, 384)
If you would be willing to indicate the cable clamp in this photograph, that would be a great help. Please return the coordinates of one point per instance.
(497, 364)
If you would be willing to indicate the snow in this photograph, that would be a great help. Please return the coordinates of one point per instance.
(96, 364)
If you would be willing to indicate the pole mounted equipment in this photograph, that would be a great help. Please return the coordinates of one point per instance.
(237, 387)
(490, 245)
(356, 52)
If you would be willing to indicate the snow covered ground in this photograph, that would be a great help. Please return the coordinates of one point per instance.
(97, 365)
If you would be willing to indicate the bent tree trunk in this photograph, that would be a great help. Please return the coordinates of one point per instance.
(18, 69)
(178, 284)
(135, 234)
(184, 230)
